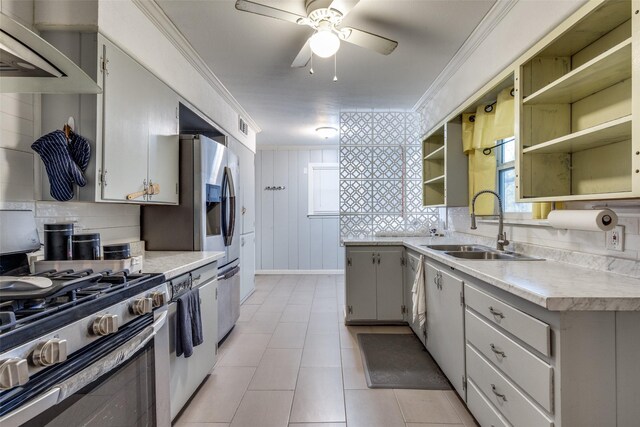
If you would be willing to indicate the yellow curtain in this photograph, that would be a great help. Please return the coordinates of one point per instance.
(505, 115)
(468, 120)
(481, 130)
(484, 166)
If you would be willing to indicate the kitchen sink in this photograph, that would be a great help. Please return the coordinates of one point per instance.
(458, 248)
(491, 256)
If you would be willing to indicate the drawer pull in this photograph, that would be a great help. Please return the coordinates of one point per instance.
(496, 351)
(496, 312)
(499, 395)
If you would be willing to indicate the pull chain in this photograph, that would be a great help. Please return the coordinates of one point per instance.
(311, 68)
(335, 67)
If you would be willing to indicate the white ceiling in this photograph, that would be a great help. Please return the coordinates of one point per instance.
(252, 54)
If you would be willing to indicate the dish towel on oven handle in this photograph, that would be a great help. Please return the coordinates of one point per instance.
(419, 296)
(189, 323)
(64, 160)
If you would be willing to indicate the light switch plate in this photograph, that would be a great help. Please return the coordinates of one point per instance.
(615, 239)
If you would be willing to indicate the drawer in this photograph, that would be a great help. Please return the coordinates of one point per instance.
(532, 374)
(529, 329)
(484, 412)
(511, 403)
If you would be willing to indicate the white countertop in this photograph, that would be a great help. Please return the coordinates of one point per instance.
(175, 263)
(553, 285)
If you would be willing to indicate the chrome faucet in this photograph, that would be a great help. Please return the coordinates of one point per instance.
(502, 236)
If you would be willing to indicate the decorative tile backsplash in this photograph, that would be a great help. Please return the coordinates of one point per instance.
(381, 174)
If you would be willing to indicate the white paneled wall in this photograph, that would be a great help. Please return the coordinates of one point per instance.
(286, 238)
(18, 123)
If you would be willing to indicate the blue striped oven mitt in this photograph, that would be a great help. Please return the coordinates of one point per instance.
(65, 161)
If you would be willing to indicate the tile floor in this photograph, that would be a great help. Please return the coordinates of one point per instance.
(291, 361)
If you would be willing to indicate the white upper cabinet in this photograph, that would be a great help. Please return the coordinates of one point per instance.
(132, 126)
(140, 131)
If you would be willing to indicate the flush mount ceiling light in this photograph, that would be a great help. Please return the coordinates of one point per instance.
(325, 42)
(326, 132)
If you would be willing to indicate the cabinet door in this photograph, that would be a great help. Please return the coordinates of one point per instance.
(389, 284)
(361, 284)
(247, 264)
(126, 127)
(445, 324)
(248, 188)
(162, 107)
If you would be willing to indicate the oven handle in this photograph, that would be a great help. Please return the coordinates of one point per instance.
(32, 408)
(100, 367)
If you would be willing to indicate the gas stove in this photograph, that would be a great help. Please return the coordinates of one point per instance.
(70, 340)
(28, 310)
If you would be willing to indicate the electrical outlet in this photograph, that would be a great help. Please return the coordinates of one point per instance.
(615, 239)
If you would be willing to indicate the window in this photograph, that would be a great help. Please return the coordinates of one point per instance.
(323, 188)
(506, 176)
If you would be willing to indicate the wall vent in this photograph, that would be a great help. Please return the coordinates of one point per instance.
(242, 125)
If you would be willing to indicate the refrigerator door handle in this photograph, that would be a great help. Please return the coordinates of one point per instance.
(229, 232)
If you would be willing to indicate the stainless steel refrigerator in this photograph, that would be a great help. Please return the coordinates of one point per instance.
(205, 219)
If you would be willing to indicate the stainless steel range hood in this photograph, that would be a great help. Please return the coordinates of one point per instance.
(29, 64)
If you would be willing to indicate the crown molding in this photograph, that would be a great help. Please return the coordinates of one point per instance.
(159, 18)
(493, 17)
(300, 147)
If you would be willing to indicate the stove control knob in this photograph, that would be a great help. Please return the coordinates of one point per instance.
(49, 352)
(159, 298)
(13, 372)
(105, 325)
(141, 306)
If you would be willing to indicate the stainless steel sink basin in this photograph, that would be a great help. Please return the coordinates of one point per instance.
(491, 256)
(458, 248)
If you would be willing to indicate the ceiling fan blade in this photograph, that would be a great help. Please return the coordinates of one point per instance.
(343, 6)
(367, 40)
(303, 57)
(271, 12)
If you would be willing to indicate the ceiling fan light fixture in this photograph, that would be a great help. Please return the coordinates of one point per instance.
(326, 132)
(324, 43)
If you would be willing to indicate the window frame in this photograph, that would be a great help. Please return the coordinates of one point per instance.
(504, 166)
(311, 168)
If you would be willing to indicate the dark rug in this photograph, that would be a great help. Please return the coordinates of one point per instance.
(399, 361)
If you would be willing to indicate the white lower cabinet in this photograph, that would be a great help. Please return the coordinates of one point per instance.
(503, 394)
(374, 285)
(513, 362)
(445, 323)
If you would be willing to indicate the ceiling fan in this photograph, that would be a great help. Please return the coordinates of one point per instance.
(324, 16)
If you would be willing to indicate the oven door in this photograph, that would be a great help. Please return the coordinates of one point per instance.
(118, 381)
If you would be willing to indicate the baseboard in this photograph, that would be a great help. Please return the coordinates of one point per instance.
(268, 272)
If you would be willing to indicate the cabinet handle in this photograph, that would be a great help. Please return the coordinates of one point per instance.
(496, 313)
(499, 395)
(496, 351)
(373, 258)
(378, 259)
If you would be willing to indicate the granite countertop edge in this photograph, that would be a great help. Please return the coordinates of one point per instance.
(175, 263)
(553, 285)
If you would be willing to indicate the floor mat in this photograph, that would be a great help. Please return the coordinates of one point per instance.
(399, 361)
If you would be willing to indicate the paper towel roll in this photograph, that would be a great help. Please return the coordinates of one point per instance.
(589, 220)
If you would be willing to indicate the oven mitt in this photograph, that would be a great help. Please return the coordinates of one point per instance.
(62, 170)
(80, 150)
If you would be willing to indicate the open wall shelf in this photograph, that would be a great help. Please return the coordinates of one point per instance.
(444, 168)
(576, 99)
